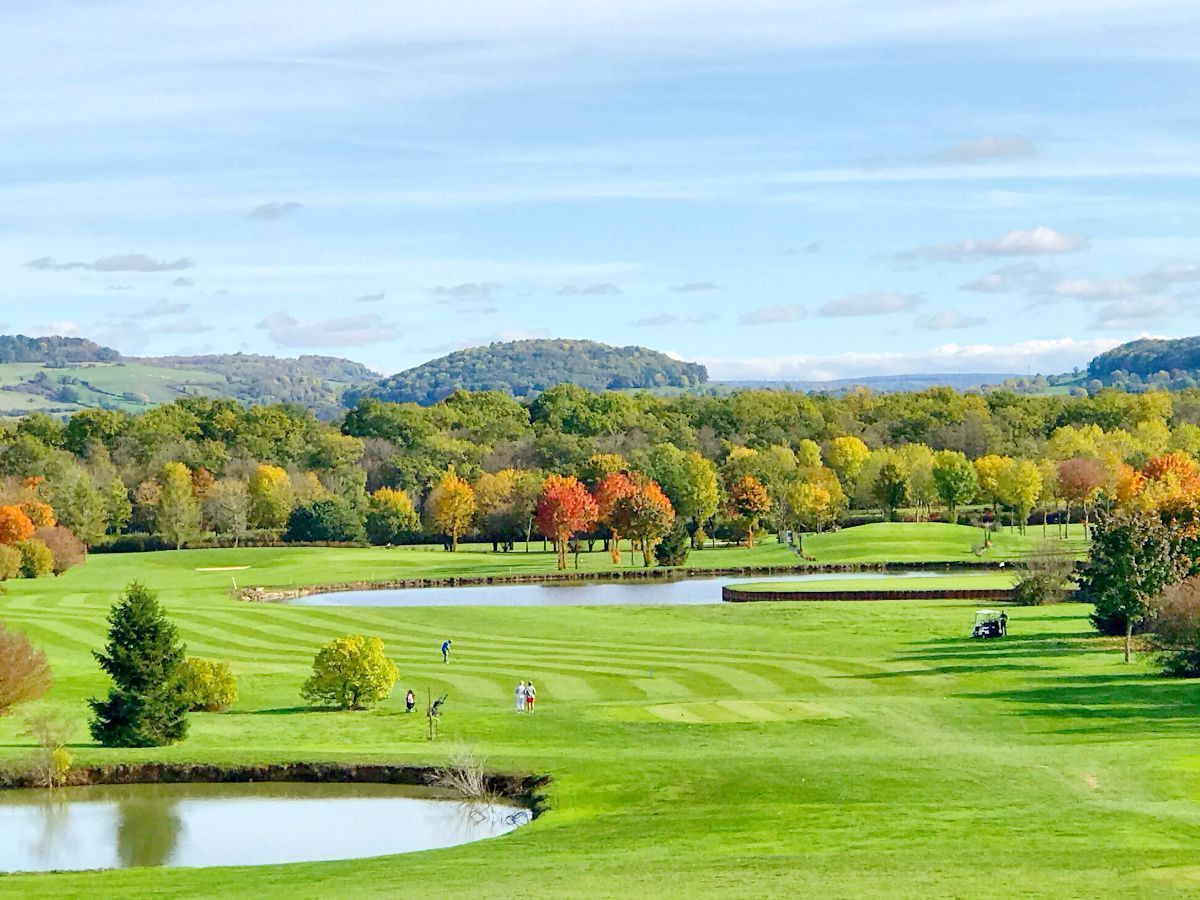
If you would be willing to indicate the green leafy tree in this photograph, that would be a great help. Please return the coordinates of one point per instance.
(955, 480)
(1134, 555)
(177, 515)
(146, 706)
(351, 672)
(37, 560)
(891, 487)
(391, 517)
(330, 519)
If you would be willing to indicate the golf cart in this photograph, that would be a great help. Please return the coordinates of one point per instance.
(990, 623)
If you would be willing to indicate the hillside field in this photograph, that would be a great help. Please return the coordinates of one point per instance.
(833, 749)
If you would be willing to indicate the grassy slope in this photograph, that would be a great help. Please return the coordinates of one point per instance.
(842, 749)
(104, 384)
(930, 541)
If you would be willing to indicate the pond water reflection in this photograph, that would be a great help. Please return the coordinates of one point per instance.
(123, 826)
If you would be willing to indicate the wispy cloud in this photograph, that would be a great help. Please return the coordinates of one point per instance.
(467, 290)
(375, 297)
(879, 303)
(268, 212)
(347, 331)
(1039, 241)
(165, 307)
(771, 315)
(588, 290)
(125, 262)
(948, 320)
(664, 319)
(695, 287)
(988, 147)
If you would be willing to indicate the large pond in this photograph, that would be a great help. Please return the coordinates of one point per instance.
(588, 593)
(122, 826)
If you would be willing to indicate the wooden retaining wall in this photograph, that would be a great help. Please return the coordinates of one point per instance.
(980, 595)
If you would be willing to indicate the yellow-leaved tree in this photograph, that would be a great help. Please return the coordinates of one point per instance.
(451, 507)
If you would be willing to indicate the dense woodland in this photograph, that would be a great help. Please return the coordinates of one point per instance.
(573, 464)
(523, 368)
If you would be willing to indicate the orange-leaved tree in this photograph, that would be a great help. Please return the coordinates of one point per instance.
(749, 502)
(564, 509)
(647, 514)
(15, 525)
(608, 493)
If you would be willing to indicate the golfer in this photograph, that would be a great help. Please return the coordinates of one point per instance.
(530, 697)
(410, 701)
(446, 650)
(522, 696)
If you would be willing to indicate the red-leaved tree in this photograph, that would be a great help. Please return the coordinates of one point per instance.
(648, 515)
(1079, 480)
(15, 525)
(564, 509)
(749, 502)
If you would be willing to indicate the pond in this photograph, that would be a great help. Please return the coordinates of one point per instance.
(590, 593)
(123, 826)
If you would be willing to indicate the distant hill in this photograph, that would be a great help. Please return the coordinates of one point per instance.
(522, 368)
(1147, 357)
(62, 375)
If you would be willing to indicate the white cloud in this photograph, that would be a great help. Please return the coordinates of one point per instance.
(1039, 241)
(880, 303)
(770, 315)
(1025, 276)
(1042, 355)
(988, 147)
(1140, 312)
(948, 320)
(347, 331)
(693, 287)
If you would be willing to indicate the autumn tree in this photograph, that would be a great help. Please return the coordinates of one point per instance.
(1079, 480)
(564, 510)
(351, 672)
(226, 508)
(66, 550)
(955, 480)
(24, 670)
(1018, 487)
(748, 502)
(451, 507)
(15, 525)
(846, 456)
(610, 512)
(810, 508)
(647, 514)
(988, 471)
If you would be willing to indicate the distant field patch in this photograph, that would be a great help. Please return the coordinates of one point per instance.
(223, 569)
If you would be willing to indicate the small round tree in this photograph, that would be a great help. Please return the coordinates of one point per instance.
(351, 672)
(146, 706)
(209, 686)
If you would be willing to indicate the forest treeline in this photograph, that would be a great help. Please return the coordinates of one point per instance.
(485, 465)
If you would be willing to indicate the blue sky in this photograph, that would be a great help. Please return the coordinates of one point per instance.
(777, 189)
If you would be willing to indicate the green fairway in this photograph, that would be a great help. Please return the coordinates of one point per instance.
(930, 542)
(833, 749)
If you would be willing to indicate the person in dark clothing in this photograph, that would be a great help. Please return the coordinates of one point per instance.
(1003, 624)
(446, 650)
(410, 701)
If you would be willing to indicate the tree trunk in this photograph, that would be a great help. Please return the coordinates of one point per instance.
(1128, 638)
(614, 549)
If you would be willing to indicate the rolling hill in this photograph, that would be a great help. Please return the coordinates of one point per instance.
(522, 368)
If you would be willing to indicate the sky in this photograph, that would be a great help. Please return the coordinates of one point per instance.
(804, 190)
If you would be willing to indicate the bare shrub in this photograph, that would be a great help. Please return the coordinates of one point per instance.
(465, 776)
(52, 762)
(1176, 628)
(24, 670)
(1044, 577)
(66, 549)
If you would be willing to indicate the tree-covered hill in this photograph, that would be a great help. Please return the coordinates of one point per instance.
(522, 368)
(1148, 356)
(53, 351)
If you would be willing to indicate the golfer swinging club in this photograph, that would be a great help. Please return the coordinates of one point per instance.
(446, 650)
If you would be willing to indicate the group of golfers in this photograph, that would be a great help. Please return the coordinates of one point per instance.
(526, 692)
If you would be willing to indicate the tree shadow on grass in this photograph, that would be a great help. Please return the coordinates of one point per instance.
(281, 711)
(1048, 643)
(1086, 704)
(964, 669)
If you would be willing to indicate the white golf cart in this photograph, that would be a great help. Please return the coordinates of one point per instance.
(990, 623)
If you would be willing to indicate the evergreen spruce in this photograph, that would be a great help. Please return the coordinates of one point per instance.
(147, 706)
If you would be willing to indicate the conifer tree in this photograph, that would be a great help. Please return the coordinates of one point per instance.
(147, 705)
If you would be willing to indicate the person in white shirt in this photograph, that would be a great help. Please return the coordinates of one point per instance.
(530, 697)
(521, 695)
